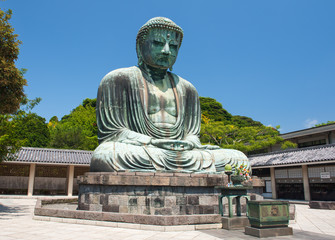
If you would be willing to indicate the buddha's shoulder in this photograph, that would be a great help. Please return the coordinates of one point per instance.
(123, 74)
(183, 82)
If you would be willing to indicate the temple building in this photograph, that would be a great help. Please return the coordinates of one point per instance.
(305, 173)
(44, 171)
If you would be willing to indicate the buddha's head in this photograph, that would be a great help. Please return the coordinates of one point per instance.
(158, 42)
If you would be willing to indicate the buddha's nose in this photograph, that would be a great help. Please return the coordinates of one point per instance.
(166, 49)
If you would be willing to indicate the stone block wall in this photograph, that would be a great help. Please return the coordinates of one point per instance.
(151, 200)
(150, 193)
(153, 193)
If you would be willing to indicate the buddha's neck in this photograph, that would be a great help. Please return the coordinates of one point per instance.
(156, 74)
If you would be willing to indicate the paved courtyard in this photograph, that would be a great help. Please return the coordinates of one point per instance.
(16, 222)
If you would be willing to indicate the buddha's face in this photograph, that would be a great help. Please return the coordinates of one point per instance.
(160, 48)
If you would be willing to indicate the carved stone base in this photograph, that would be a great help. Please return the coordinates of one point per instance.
(182, 196)
(150, 193)
(170, 200)
(268, 232)
(61, 208)
(234, 223)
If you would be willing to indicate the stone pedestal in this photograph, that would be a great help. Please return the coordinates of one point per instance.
(268, 232)
(180, 197)
(233, 223)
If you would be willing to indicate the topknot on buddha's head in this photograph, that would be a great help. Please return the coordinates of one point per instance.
(158, 22)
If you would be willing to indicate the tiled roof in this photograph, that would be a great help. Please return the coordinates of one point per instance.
(53, 156)
(296, 156)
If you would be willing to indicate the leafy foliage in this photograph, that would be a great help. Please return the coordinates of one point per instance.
(323, 124)
(90, 102)
(220, 128)
(245, 139)
(32, 129)
(78, 130)
(11, 78)
(22, 129)
(8, 144)
(54, 119)
(212, 109)
(243, 121)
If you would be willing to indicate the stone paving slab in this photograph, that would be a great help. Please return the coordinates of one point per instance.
(16, 222)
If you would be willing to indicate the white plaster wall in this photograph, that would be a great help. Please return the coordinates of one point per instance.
(13, 182)
(50, 183)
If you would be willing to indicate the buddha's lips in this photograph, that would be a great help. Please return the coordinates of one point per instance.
(165, 58)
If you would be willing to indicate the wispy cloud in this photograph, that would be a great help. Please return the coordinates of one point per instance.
(310, 123)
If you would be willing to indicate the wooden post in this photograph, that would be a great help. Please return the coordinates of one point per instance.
(31, 179)
(273, 183)
(306, 183)
(69, 180)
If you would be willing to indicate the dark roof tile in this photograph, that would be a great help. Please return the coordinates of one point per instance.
(295, 156)
(57, 156)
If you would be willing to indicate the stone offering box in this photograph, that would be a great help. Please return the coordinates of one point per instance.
(268, 219)
(268, 213)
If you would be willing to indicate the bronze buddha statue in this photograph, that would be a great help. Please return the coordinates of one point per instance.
(149, 118)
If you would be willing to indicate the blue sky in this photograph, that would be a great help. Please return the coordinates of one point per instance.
(273, 61)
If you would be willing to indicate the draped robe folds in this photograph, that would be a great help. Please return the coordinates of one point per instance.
(125, 129)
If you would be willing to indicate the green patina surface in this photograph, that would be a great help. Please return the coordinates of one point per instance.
(264, 214)
(231, 192)
(149, 118)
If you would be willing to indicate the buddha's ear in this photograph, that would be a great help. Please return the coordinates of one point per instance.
(171, 68)
(139, 55)
(140, 61)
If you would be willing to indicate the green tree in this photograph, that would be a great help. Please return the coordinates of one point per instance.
(90, 102)
(8, 144)
(220, 128)
(245, 139)
(243, 121)
(212, 109)
(32, 129)
(22, 129)
(11, 86)
(78, 130)
(54, 119)
(11, 78)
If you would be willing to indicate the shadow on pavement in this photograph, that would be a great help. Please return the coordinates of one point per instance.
(239, 234)
(311, 235)
(6, 211)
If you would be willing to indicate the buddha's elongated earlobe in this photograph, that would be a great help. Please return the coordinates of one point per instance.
(171, 69)
(140, 61)
(139, 55)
